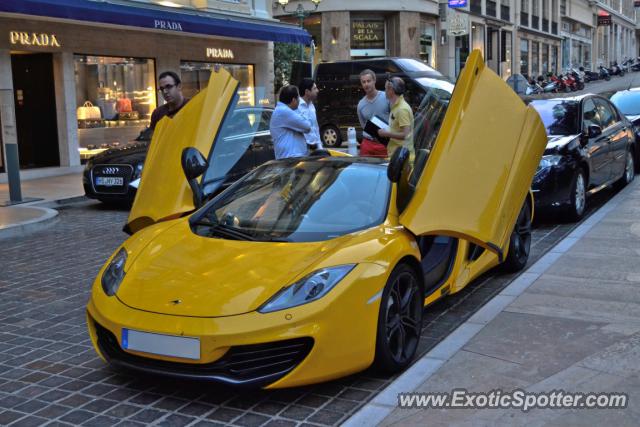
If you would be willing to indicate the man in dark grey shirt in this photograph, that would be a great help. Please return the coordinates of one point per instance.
(374, 103)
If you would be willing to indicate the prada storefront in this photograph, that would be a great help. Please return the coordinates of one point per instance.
(69, 90)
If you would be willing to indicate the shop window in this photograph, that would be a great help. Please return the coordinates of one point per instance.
(195, 77)
(545, 59)
(524, 57)
(115, 98)
(427, 36)
(535, 69)
(505, 55)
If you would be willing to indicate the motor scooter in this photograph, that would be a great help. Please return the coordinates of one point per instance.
(604, 73)
(589, 76)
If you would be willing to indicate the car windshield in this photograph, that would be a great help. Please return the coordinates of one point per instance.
(242, 138)
(627, 102)
(413, 65)
(560, 117)
(299, 200)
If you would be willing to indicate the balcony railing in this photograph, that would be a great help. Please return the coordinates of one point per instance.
(535, 22)
(475, 6)
(504, 12)
(545, 25)
(524, 19)
(491, 8)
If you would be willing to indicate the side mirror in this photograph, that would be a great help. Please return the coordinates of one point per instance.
(593, 131)
(394, 170)
(193, 165)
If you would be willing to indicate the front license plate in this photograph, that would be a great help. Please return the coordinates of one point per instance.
(109, 181)
(164, 345)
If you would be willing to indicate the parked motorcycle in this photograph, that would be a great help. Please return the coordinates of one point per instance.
(604, 73)
(589, 76)
(616, 70)
(578, 79)
(561, 85)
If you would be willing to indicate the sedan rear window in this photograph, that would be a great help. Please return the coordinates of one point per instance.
(560, 117)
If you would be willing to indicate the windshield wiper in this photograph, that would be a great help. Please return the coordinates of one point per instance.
(224, 230)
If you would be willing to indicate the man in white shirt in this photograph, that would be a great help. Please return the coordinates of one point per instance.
(308, 95)
(287, 125)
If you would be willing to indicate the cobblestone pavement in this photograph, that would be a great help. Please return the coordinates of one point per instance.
(50, 375)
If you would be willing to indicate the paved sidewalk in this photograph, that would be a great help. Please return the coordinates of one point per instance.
(21, 218)
(571, 322)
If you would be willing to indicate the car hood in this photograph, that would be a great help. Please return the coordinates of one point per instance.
(557, 142)
(180, 273)
(127, 154)
(633, 118)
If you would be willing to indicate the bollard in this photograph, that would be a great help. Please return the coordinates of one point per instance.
(13, 173)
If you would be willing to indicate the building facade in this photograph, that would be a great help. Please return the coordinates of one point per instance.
(539, 40)
(72, 87)
(358, 29)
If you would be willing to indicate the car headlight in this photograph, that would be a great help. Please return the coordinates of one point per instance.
(548, 161)
(137, 171)
(309, 288)
(114, 273)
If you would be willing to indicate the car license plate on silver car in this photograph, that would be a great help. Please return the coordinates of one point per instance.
(109, 181)
(164, 345)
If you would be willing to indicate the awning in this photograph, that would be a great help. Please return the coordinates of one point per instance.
(159, 18)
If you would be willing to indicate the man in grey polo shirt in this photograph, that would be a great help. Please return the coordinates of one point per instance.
(374, 103)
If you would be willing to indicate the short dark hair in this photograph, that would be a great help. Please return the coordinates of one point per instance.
(305, 85)
(174, 76)
(288, 94)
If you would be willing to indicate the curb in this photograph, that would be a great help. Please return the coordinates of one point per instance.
(374, 412)
(46, 218)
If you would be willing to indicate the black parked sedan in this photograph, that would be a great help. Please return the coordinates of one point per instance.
(113, 175)
(628, 103)
(590, 146)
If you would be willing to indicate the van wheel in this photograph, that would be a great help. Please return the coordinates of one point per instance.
(399, 320)
(330, 135)
(519, 242)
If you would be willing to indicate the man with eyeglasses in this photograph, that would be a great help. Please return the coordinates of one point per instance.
(170, 87)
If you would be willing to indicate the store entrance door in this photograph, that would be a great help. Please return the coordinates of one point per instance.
(35, 103)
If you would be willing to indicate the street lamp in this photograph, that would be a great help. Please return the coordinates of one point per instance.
(301, 13)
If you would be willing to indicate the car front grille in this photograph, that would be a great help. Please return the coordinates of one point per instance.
(253, 365)
(111, 171)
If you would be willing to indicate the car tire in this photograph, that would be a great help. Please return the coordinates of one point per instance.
(519, 242)
(330, 136)
(629, 170)
(399, 320)
(577, 197)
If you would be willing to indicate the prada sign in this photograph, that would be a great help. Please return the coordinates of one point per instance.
(217, 53)
(21, 38)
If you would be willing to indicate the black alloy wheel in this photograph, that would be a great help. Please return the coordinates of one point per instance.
(330, 136)
(399, 320)
(519, 241)
(578, 200)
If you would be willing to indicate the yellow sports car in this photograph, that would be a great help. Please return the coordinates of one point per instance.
(309, 269)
